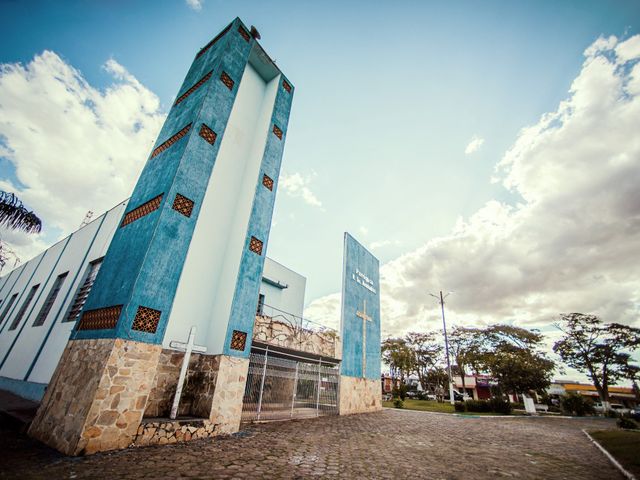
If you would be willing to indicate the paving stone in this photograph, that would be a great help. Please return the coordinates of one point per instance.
(387, 444)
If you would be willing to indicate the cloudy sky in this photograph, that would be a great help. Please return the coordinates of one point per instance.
(487, 149)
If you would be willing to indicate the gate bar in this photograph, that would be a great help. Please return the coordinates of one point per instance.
(319, 385)
(295, 389)
(264, 372)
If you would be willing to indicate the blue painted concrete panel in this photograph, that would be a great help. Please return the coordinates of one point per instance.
(360, 283)
(245, 300)
(31, 390)
(145, 259)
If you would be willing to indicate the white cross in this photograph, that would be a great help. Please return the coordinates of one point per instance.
(363, 315)
(187, 348)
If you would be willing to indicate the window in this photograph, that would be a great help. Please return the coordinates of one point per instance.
(23, 308)
(7, 307)
(260, 309)
(83, 291)
(48, 303)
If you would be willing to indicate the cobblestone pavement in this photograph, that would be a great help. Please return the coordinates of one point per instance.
(389, 444)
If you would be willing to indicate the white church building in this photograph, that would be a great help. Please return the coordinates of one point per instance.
(41, 301)
(162, 320)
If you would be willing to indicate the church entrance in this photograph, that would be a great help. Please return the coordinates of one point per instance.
(281, 386)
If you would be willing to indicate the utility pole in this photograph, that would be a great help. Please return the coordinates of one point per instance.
(446, 343)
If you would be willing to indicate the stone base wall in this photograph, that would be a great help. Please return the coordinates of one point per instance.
(197, 391)
(97, 396)
(213, 389)
(162, 432)
(359, 395)
(226, 408)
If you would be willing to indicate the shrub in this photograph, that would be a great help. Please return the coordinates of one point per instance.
(500, 405)
(477, 406)
(574, 404)
(398, 403)
(517, 406)
(459, 406)
(627, 423)
(400, 391)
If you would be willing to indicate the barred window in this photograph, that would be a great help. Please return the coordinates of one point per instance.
(7, 307)
(23, 308)
(51, 298)
(83, 292)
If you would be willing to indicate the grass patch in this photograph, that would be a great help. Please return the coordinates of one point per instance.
(423, 405)
(624, 445)
(433, 406)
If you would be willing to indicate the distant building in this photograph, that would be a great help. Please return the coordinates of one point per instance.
(621, 395)
(477, 387)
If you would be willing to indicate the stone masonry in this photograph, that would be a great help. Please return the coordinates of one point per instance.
(162, 432)
(197, 391)
(359, 395)
(97, 396)
(226, 408)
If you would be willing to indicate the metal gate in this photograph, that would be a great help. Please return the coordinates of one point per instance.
(283, 388)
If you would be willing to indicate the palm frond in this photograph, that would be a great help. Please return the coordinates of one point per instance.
(15, 216)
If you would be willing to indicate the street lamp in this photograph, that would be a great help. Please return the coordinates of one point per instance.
(446, 343)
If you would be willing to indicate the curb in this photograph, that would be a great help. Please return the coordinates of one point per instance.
(622, 470)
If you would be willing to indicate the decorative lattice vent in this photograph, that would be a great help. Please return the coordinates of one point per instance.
(144, 209)
(255, 245)
(238, 340)
(277, 132)
(226, 79)
(146, 320)
(210, 44)
(267, 181)
(171, 141)
(200, 82)
(286, 86)
(208, 134)
(244, 33)
(100, 319)
(183, 205)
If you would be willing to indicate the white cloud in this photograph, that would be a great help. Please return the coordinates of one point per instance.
(363, 230)
(297, 185)
(195, 4)
(74, 148)
(571, 244)
(383, 243)
(474, 145)
(325, 311)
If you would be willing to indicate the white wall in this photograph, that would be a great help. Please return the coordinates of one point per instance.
(207, 284)
(290, 299)
(57, 259)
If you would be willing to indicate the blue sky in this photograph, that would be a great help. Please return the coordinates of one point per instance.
(388, 97)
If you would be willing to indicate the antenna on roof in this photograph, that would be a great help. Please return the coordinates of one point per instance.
(255, 33)
(87, 219)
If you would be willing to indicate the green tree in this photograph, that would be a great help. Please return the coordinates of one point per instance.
(514, 358)
(427, 354)
(465, 347)
(14, 216)
(601, 351)
(399, 357)
(438, 381)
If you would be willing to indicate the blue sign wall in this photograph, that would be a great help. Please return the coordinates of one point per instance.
(360, 320)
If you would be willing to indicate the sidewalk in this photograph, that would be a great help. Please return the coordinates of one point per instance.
(17, 410)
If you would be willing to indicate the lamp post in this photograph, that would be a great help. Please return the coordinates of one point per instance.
(446, 343)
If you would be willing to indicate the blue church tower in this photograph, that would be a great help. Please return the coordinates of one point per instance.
(189, 251)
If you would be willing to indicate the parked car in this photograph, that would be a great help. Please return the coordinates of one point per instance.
(460, 397)
(616, 407)
(635, 413)
(620, 409)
